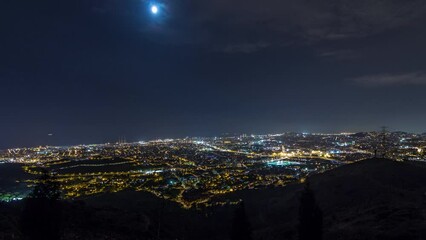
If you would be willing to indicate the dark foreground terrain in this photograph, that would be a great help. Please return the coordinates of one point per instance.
(372, 199)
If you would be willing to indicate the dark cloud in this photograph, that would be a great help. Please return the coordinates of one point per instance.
(245, 23)
(384, 80)
(244, 47)
(250, 25)
(341, 54)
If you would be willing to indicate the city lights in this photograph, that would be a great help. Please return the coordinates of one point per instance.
(173, 168)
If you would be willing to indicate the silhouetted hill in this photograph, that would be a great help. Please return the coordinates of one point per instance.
(370, 199)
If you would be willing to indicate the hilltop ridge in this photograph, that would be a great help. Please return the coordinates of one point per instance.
(369, 199)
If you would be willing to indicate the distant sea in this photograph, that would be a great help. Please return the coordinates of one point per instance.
(12, 185)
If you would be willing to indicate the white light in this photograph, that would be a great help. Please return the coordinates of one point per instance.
(154, 9)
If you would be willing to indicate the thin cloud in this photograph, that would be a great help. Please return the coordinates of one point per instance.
(245, 47)
(344, 54)
(310, 21)
(384, 80)
(239, 25)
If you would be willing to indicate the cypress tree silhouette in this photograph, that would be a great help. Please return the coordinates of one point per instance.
(41, 216)
(241, 229)
(310, 216)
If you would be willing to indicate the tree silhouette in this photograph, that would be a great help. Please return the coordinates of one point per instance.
(41, 216)
(241, 229)
(310, 216)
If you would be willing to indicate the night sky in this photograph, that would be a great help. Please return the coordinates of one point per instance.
(93, 71)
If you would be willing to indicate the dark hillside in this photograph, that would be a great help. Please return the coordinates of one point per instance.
(371, 199)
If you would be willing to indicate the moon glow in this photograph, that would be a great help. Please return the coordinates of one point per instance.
(154, 9)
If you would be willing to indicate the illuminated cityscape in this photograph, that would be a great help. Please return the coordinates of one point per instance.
(196, 172)
(212, 120)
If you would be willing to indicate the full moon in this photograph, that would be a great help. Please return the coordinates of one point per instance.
(154, 9)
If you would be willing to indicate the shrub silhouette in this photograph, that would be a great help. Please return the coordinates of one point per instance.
(241, 229)
(41, 215)
(310, 216)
